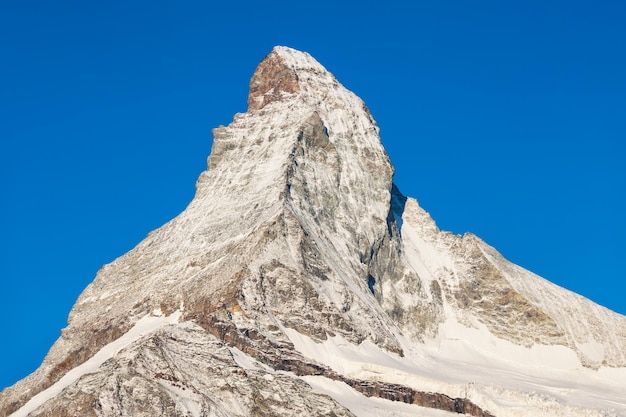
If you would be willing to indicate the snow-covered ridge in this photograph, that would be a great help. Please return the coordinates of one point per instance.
(480, 288)
(297, 251)
(596, 332)
(143, 327)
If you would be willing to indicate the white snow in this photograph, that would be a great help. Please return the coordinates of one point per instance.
(244, 189)
(248, 362)
(499, 376)
(143, 327)
(345, 395)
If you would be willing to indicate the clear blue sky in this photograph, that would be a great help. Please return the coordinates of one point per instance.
(503, 118)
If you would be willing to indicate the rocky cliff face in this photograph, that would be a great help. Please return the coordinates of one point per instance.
(298, 265)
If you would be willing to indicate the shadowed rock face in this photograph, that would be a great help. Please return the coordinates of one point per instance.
(296, 225)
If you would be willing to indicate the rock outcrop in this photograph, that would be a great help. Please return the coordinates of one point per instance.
(298, 250)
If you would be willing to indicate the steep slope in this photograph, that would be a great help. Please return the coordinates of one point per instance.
(480, 287)
(298, 261)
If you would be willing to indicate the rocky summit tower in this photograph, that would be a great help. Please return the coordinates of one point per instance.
(300, 281)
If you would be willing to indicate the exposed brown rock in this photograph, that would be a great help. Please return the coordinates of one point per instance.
(507, 313)
(285, 358)
(81, 404)
(271, 79)
(397, 392)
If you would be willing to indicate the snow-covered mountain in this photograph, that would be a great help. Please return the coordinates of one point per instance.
(300, 281)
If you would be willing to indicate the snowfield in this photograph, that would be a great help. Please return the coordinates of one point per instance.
(506, 379)
(304, 272)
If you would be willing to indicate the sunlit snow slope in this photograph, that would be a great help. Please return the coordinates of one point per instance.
(300, 281)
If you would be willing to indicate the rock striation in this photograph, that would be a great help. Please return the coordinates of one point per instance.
(298, 258)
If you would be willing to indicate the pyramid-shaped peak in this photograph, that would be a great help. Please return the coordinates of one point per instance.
(298, 256)
(283, 73)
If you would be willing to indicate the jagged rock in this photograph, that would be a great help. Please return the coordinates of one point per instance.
(298, 258)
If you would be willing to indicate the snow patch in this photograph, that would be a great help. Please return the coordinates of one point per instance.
(462, 343)
(498, 376)
(245, 361)
(593, 350)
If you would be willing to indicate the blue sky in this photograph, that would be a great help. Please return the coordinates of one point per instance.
(506, 119)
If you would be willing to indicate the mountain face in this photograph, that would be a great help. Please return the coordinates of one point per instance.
(300, 281)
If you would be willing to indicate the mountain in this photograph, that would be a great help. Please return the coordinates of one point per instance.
(300, 281)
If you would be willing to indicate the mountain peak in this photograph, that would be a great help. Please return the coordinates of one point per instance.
(298, 254)
(286, 73)
(274, 77)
